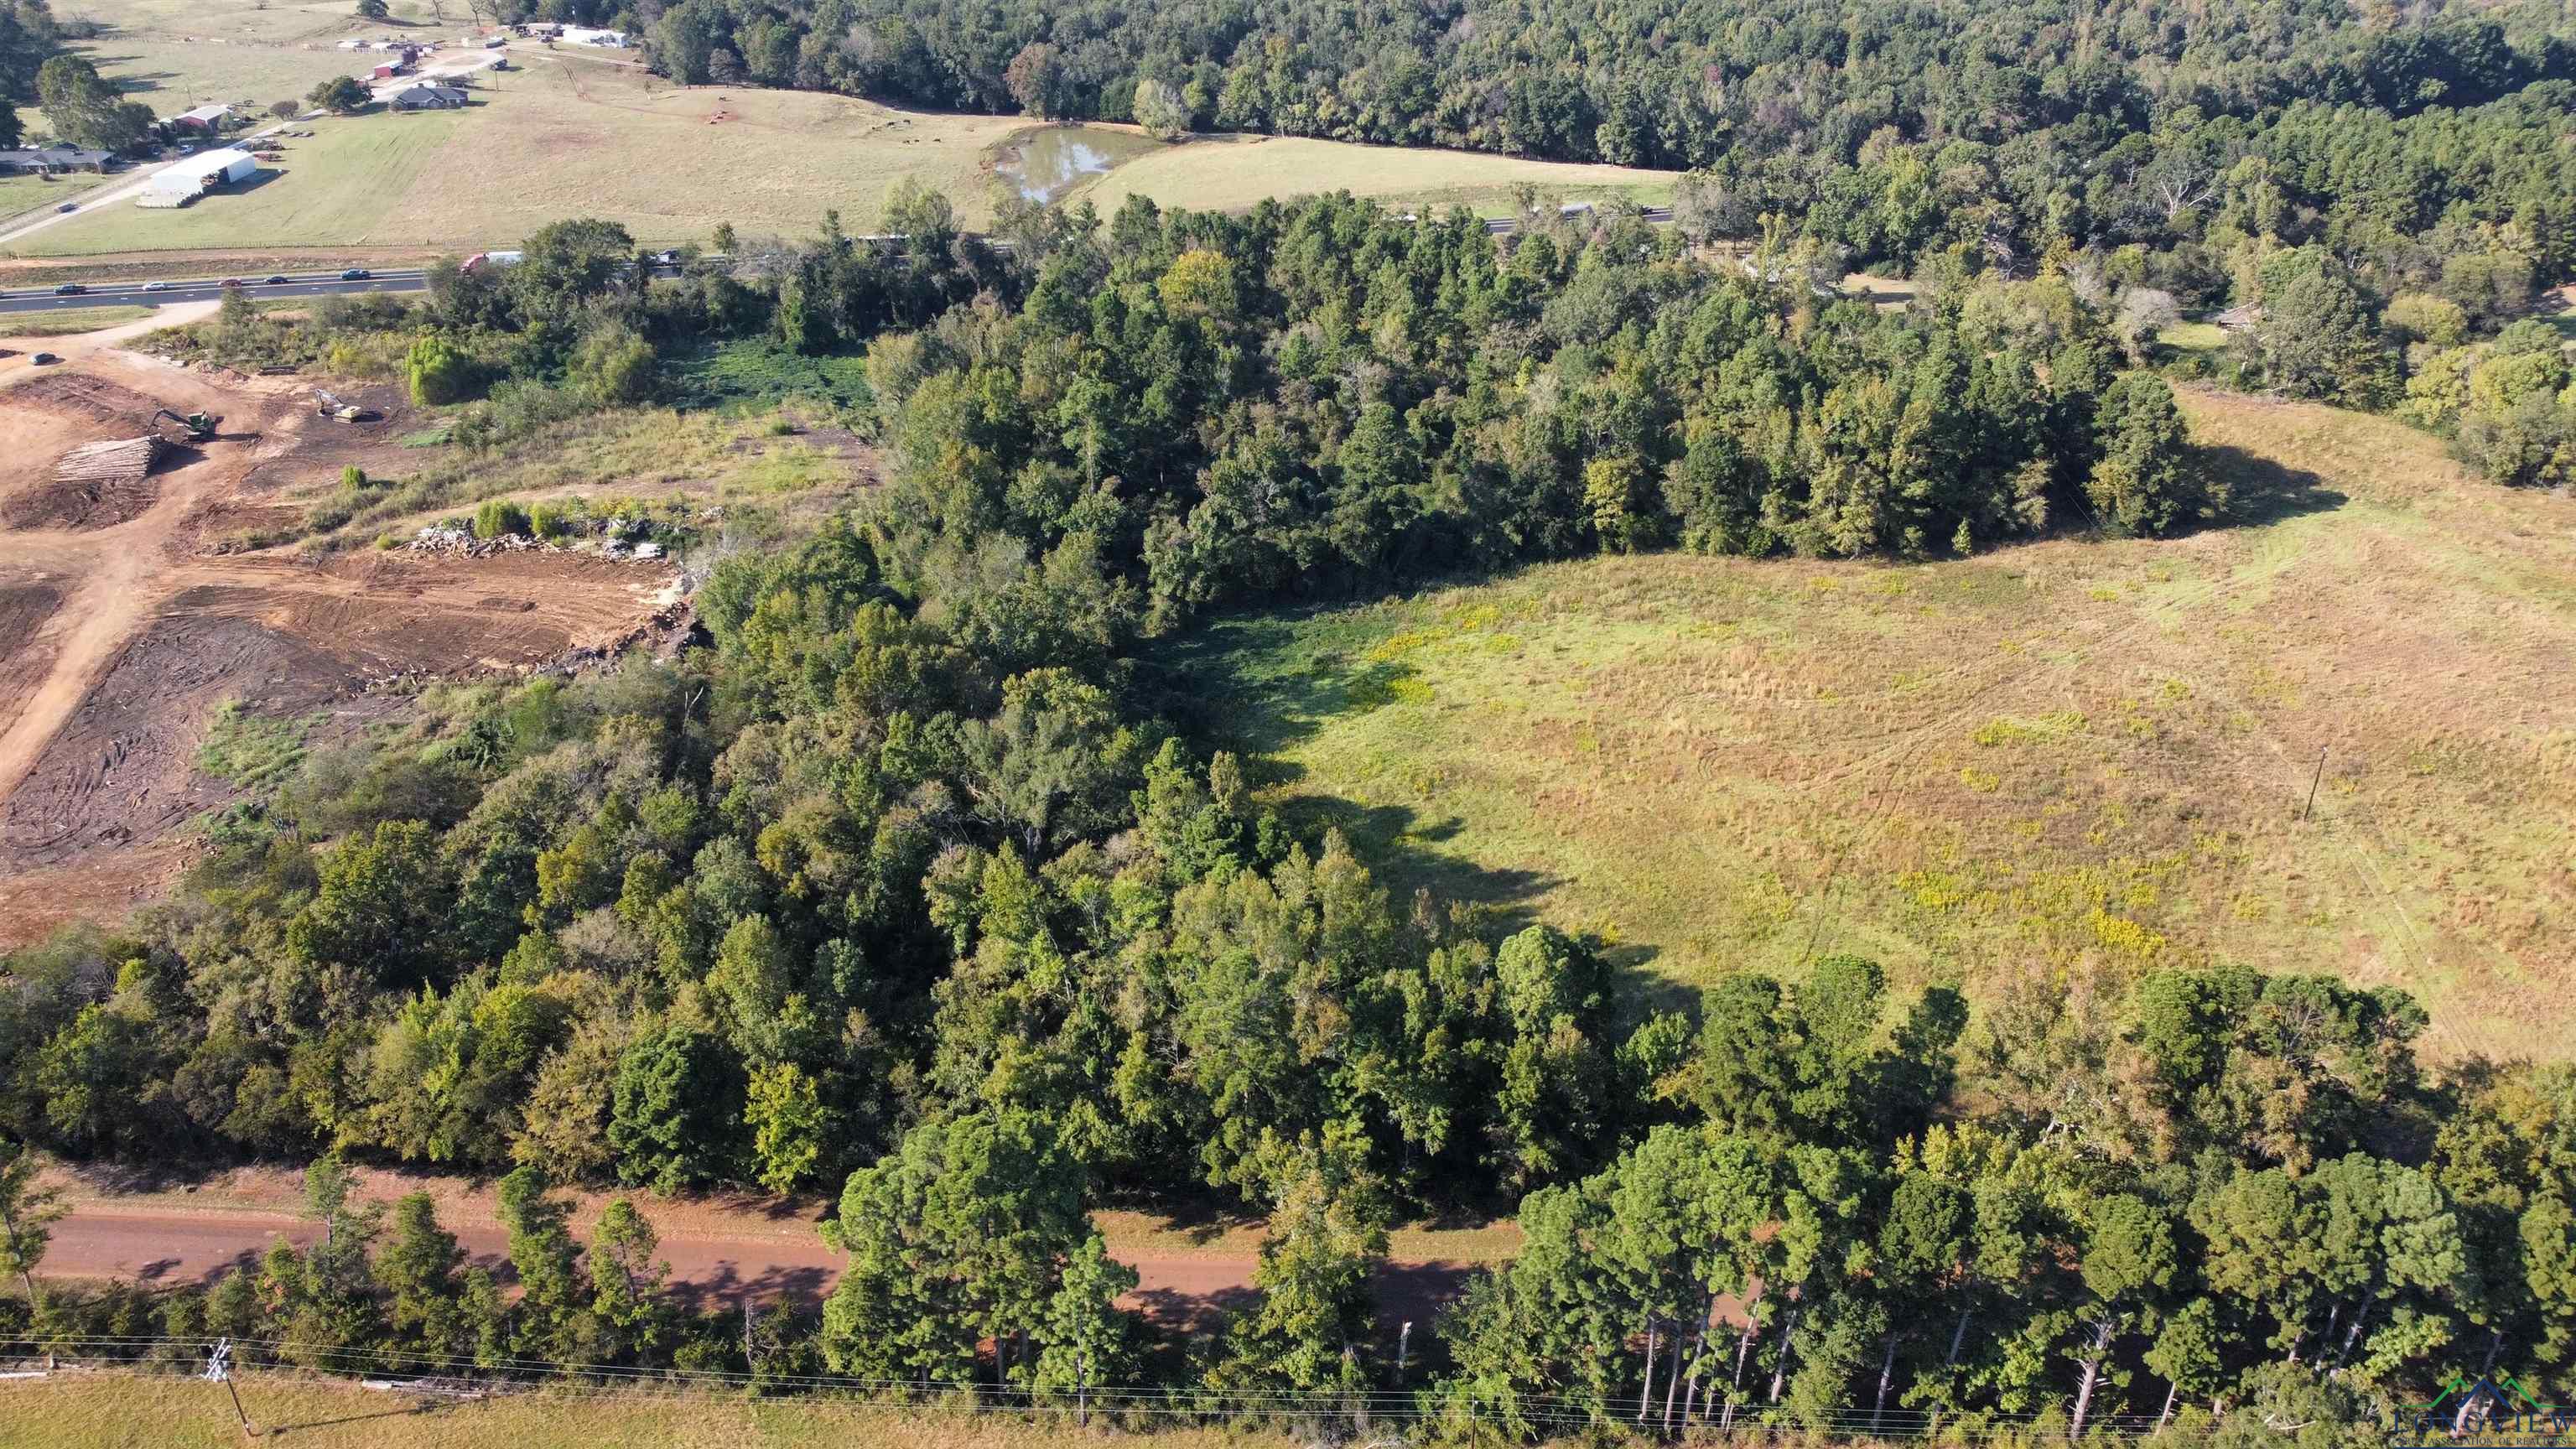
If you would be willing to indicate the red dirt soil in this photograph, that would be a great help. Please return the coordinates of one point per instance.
(721, 1247)
(123, 627)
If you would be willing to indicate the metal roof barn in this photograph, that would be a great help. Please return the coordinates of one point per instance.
(206, 172)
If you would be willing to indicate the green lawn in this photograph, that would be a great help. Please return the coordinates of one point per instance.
(35, 193)
(2071, 755)
(67, 321)
(1233, 173)
(332, 190)
(2193, 337)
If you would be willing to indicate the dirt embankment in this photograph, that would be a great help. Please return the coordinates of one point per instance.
(124, 620)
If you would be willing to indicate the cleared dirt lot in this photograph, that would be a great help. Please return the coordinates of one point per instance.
(123, 624)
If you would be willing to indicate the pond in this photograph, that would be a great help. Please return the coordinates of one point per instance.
(1047, 163)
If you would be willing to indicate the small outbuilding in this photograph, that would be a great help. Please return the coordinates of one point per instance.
(205, 120)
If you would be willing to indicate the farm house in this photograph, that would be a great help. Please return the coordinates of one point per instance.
(426, 97)
(50, 160)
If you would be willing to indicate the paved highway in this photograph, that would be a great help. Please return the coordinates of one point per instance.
(207, 289)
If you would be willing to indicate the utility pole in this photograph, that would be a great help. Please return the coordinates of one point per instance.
(219, 1370)
(2314, 783)
(1403, 1343)
(1082, 1389)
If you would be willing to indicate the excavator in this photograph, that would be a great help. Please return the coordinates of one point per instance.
(329, 406)
(198, 426)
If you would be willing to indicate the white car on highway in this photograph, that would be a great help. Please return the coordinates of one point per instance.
(156, 286)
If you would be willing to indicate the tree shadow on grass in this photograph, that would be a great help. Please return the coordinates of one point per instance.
(1261, 683)
(400, 1411)
(2263, 490)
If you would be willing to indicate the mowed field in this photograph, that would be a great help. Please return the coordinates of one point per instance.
(323, 193)
(1234, 172)
(565, 138)
(2070, 756)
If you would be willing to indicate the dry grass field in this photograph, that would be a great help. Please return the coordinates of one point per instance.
(2071, 755)
(99, 1410)
(173, 54)
(1232, 173)
(582, 138)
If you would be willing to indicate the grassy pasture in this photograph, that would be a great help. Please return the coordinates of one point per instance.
(2074, 755)
(68, 321)
(171, 74)
(569, 138)
(19, 194)
(576, 138)
(173, 54)
(330, 190)
(95, 1411)
(1236, 172)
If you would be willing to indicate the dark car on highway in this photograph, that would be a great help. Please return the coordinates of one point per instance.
(277, 281)
(356, 274)
(70, 289)
(232, 282)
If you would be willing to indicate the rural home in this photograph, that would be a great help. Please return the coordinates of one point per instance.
(205, 120)
(50, 161)
(198, 175)
(428, 98)
(584, 35)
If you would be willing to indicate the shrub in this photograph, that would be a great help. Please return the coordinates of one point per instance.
(439, 372)
(549, 520)
(353, 479)
(498, 516)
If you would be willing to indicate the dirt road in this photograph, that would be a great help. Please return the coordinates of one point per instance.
(708, 1268)
(128, 613)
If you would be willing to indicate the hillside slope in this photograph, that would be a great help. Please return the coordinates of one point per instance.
(1996, 771)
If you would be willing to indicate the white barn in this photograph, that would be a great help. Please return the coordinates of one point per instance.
(202, 173)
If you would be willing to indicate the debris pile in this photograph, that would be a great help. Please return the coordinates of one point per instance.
(95, 485)
(120, 461)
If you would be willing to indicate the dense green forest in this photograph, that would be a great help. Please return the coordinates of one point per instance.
(2381, 189)
(910, 885)
(1897, 130)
